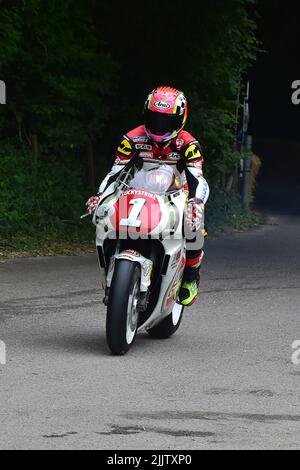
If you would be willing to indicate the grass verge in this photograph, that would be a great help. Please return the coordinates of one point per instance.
(53, 242)
(224, 213)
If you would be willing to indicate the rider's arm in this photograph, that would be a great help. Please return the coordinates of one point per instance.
(198, 186)
(124, 153)
(193, 158)
(110, 178)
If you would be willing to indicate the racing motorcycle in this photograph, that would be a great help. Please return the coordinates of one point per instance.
(142, 253)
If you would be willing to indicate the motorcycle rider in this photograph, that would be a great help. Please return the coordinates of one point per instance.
(162, 140)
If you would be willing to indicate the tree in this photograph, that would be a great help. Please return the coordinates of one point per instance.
(58, 76)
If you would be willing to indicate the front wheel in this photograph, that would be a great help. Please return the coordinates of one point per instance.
(122, 312)
(169, 325)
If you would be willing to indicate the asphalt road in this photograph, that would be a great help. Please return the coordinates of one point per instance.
(226, 380)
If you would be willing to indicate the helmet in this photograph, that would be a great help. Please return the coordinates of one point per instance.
(165, 114)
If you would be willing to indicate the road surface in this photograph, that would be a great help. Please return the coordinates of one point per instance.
(226, 380)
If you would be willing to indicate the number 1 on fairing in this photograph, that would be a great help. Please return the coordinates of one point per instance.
(132, 220)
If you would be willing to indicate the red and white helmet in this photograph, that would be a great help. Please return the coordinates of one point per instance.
(165, 114)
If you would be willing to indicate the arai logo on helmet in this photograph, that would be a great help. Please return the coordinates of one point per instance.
(162, 105)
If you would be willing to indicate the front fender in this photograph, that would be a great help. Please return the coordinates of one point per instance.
(135, 257)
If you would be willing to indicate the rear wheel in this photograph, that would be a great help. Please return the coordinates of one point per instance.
(169, 325)
(122, 313)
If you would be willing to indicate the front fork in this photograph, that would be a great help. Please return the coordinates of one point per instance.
(146, 266)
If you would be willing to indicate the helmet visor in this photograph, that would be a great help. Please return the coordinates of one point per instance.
(161, 124)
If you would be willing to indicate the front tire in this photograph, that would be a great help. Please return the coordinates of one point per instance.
(169, 325)
(122, 312)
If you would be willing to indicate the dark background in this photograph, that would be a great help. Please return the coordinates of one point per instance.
(77, 74)
(275, 120)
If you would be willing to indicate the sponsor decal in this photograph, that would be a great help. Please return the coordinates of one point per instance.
(179, 143)
(147, 268)
(162, 105)
(141, 139)
(174, 290)
(143, 147)
(132, 252)
(193, 152)
(173, 293)
(204, 192)
(174, 156)
(176, 259)
(130, 255)
(112, 264)
(146, 155)
(139, 192)
(198, 165)
(125, 147)
(105, 211)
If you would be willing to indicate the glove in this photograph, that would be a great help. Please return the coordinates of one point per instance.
(195, 211)
(92, 203)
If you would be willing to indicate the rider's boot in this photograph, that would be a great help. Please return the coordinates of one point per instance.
(189, 290)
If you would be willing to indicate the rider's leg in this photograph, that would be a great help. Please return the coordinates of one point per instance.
(189, 290)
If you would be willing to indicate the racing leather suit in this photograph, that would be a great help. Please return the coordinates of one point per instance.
(184, 155)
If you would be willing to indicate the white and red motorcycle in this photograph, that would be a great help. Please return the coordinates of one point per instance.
(142, 254)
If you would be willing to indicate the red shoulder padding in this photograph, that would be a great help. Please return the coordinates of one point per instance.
(137, 132)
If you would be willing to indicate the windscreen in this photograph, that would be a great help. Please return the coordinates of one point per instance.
(158, 180)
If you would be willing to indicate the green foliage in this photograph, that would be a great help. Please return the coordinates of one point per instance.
(40, 198)
(203, 48)
(58, 76)
(78, 72)
(225, 211)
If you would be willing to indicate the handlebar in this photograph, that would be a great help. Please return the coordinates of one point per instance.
(84, 216)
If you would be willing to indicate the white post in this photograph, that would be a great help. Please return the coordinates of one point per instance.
(2, 92)
(247, 172)
(246, 145)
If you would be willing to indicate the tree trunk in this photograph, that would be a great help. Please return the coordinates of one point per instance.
(35, 146)
(90, 164)
(229, 183)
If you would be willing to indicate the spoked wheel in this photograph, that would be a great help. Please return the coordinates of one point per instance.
(122, 312)
(169, 325)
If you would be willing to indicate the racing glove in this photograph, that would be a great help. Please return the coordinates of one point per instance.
(195, 211)
(92, 203)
